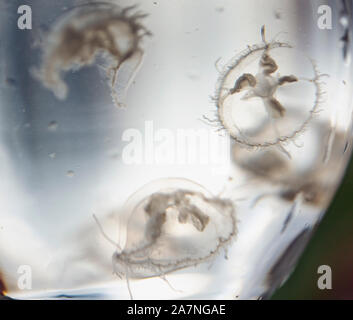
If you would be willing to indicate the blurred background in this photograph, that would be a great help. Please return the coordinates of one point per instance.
(332, 244)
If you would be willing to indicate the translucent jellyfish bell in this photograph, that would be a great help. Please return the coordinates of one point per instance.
(173, 224)
(259, 86)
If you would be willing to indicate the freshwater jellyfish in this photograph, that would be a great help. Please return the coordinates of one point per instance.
(172, 228)
(312, 184)
(85, 33)
(249, 94)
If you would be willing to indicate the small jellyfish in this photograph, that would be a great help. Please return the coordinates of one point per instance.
(85, 33)
(312, 184)
(251, 93)
(173, 228)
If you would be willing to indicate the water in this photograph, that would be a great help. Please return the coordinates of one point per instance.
(202, 185)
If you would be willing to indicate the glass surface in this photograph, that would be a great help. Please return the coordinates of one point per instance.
(173, 150)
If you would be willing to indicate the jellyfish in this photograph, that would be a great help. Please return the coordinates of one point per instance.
(83, 34)
(172, 228)
(251, 82)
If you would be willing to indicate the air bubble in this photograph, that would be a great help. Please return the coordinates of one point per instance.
(52, 126)
(70, 173)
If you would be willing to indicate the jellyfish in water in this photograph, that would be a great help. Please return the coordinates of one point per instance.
(85, 32)
(171, 229)
(268, 97)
